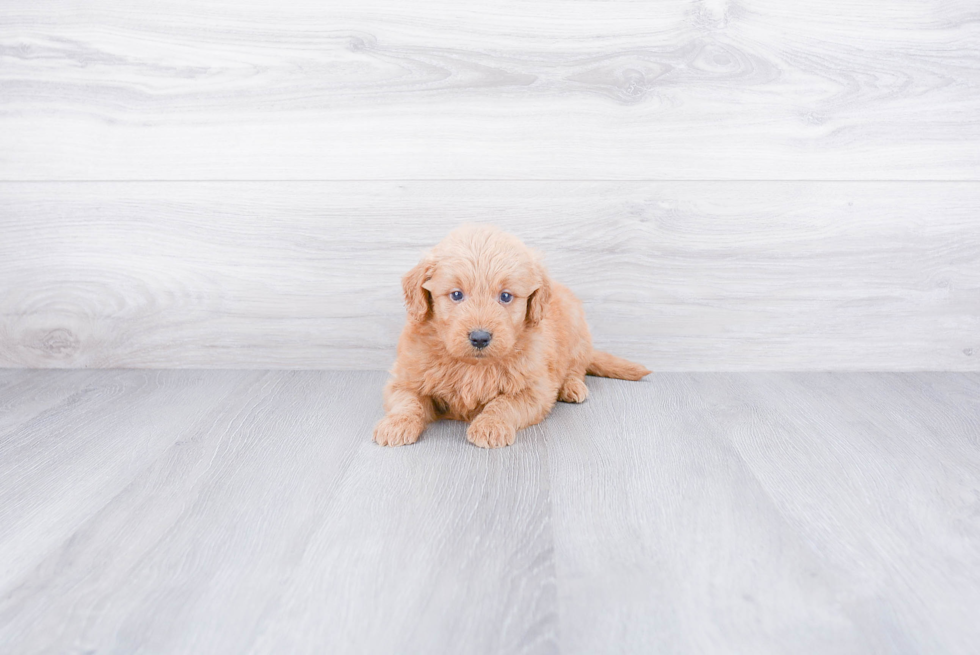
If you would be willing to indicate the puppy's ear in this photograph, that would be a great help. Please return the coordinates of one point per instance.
(418, 301)
(537, 302)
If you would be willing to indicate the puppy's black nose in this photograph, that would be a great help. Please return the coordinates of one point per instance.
(480, 338)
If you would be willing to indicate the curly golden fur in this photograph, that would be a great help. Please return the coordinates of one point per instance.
(481, 280)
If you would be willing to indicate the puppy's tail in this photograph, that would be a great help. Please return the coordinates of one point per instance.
(609, 366)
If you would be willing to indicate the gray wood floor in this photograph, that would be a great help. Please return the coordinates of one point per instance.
(248, 511)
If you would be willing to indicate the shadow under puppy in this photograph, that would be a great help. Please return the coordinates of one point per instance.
(490, 339)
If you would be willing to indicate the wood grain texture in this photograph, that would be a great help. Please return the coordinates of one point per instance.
(769, 513)
(595, 89)
(679, 276)
(264, 520)
(249, 512)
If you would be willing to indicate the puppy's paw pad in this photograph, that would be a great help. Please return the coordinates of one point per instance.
(398, 430)
(490, 434)
(573, 391)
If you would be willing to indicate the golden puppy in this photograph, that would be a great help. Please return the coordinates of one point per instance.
(490, 339)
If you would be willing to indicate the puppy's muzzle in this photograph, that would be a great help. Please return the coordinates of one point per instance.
(480, 339)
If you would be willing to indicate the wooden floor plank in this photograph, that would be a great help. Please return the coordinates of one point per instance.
(250, 533)
(66, 463)
(248, 511)
(664, 539)
(430, 549)
(24, 395)
(188, 555)
(879, 479)
(762, 513)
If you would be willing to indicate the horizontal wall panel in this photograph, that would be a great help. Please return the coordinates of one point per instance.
(677, 275)
(672, 90)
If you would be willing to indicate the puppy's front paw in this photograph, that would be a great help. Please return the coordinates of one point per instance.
(398, 430)
(573, 391)
(490, 433)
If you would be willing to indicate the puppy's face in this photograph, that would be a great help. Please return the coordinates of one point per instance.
(477, 309)
(480, 289)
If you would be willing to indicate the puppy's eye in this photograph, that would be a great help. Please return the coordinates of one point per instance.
(456, 296)
(506, 297)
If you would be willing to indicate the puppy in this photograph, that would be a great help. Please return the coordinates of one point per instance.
(490, 339)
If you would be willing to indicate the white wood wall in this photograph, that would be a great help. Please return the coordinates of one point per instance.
(766, 184)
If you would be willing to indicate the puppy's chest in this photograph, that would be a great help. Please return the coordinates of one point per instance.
(463, 391)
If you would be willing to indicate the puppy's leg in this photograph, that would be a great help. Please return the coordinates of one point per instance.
(498, 423)
(407, 415)
(573, 389)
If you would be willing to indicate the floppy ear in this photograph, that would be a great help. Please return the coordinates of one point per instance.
(538, 301)
(418, 301)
